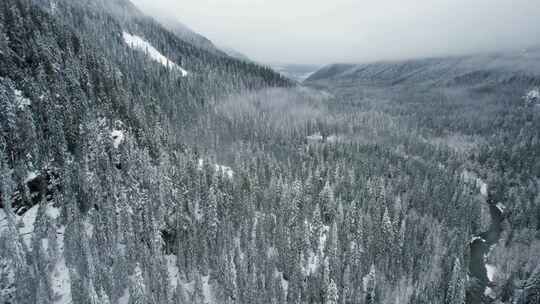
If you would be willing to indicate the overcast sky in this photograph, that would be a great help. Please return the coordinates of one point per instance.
(327, 31)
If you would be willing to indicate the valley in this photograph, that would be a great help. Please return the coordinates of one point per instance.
(139, 163)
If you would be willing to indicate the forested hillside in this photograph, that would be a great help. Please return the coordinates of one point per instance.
(139, 168)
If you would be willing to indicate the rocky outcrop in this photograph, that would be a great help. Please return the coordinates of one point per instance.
(34, 189)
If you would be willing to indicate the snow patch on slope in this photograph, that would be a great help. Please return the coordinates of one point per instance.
(477, 238)
(25, 223)
(533, 96)
(491, 272)
(488, 292)
(88, 228)
(207, 290)
(124, 299)
(3, 221)
(30, 177)
(118, 137)
(312, 263)
(52, 212)
(315, 138)
(60, 278)
(284, 283)
(471, 177)
(172, 270)
(21, 101)
(322, 239)
(139, 43)
(227, 171)
(27, 229)
(501, 207)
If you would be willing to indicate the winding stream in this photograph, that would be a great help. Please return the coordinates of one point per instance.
(481, 274)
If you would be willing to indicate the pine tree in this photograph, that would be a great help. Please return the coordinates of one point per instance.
(328, 203)
(456, 286)
(179, 295)
(332, 296)
(370, 286)
(532, 287)
(137, 289)
(198, 294)
(104, 298)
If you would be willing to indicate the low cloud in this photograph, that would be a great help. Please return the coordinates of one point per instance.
(321, 31)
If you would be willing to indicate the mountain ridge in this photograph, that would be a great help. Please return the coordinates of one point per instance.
(455, 70)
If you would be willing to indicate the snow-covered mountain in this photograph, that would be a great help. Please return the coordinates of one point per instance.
(139, 43)
(93, 92)
(475, 70)
(234, 53)
(187, 34)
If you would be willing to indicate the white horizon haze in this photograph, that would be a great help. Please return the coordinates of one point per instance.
(323, 32)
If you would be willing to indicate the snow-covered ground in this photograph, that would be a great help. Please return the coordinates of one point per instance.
(139, 43)
(3, 221)
(318, 138)
(88, 228)
(27, 229)
(52, 212)
(227, 171)
(501, 207)
(491, 272)
(31, 176)
(533, 96)
(284, 283)
(322, 239)
(124, 299)
(314, 138)
(25, 224)
(21, 101)
(172, 270)
(488, 292)
(118, 137)
(208, 293)
(471, 177)
(189, 287)
(475, 238)
(313, 259)
(312, 263)
(333, 139)
(60, 277)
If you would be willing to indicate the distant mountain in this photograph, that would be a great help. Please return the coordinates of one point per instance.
(481, 70)
(297, 72)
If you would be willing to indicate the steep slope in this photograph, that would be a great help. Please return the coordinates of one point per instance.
(234, 53)
(87, 120)
(190, 36)
(185, 33)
